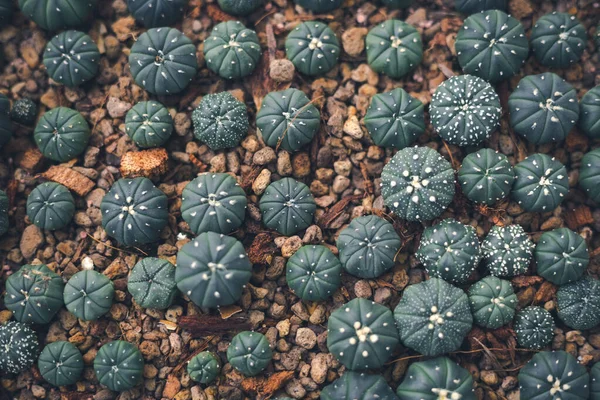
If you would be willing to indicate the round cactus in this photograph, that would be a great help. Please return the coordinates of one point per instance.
(543, 108)
(440, 378)
(53, 15)
(319, 6)
(589, 115)
(61, 134)
(313, 48)
(6, 12)
(149, 124)
(119, 365)
(558, 40)
(534, 327)
(4, 105)
(589, 174)
(249, 353)
(465, 110)
(561, 256)
(493, 302)
(213, 202)
(491, 45)
(541, 183)
(417, 184)
(134, 211)
(368, 246)
(88, 295)
(595, 382)
(507, 251)
(220, 121)
(212, 269)
(34, 294)
(313, 273)
(287, 206)
(156, 13)
(578, 303)
(287, 119)
(152, 283)
(204, 367)
(433, 317)
(4, 206)
(240, 7)
(475, 6)
(554, 375)
(72, 58)
(362, 334)
(395, 119)
(50, 206)
(19, 345)
(60, 363)
(394, 48)
(486, 176)
(232, 51)
(24, 111)
(449, 250)
(358, 386)
(163, 61)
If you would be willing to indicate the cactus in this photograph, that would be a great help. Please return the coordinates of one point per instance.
(493, 302)
(204, 367)
(4, 206)
(507, 251)
(368, 246)
(475, 6)
(19, 345)
(394, 48)
(465, 110)
(163, 61)
(534, 327)
(417, 184)
(595, 382)
(6, 12)
(449, 250)
(362, 334)
(541, 183)
(486, 176)
(358, 386)
(578, 304)
(53, 15)
(589, 174)
(313, 48)
(287, 119)
(5, 122)
(395, 4)
(72, 58)
(119, 365)
(60, 363)
(589, 115)
(88, 295)
(34, 294)
(50, 206)
(249, 353)
(61, 134)
(561, 256)
(558, 40)
(212, 269)
(543, 108)
(156, 13)
(319, 6)
(232, 51)
(149, 124)
(287, 206)
(313, 273)
(134, 211)
(240, 7)
(152, 283)
(220, 121)
(395, 119)
(433, 317)
(24, 111)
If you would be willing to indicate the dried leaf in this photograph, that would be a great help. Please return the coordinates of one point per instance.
(546, 291)
(261, 248)
(525, 281)
(203, 324)
(228, 311)
(265, 387)
(216, 14)
(330, 215)
(72, 179)
(578, 217)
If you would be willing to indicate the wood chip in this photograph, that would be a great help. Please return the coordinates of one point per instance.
(229, 311)
(578, 217)
(327, 218)
(30, 160)
(72, 179)
(150, 163)
(265, 387)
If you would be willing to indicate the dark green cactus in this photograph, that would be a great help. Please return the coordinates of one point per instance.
(239, 7)
(53, 15)
(249, 353)
(319, 6)
(24, 111)
(163, 61)
(134, 211)
(558, 40)
(60, 363)
(433, 317)
(589, 174)
(397, 3)
(493, 302)
(561, 256)
(119, 365)
(6, 12)
(287, 119)
(50, 206)
(152, 283)
(394, 48)
(595, 382)
(486, 176)
(220, 121)
(578, 303)
(72, 58)
(534, 327)
(156, 13)
(204, 367)
(212, 269)
(5, 122)
(395, 119)
(368, 246)
(313, 48)
(149, 124)
(475, 6)
(358, 386)
(417, 184)
(507, 251)
(589, 115)
(88, 295)
(34, 294)
(543, 108)
(313, 273)
(449, 250)
(362, 334)
(19, 345)
(4, 206)
(62, 134)
(541, 183)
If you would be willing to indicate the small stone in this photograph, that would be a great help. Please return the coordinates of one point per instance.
(489, 377)
(31, 240)
(261, 182)
(113, 47)
(382, 295)
(342, 167)
(172, 387)
(352, 127)
(38, 391)
(264, 156)
(363, 289)
(353, 41)
(284, 163)
(319, 367)
(290, 246)
(251, 143)
(117, 108)
(340, 183)
(306, 338)
(301, 165)
(281, 70)
(283, 327)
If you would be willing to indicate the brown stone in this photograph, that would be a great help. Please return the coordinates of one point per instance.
(150, 163)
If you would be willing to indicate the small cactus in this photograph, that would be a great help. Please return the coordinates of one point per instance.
(19, 345)
(589, 175)
(152, 283)
(313, 48)
(60, 363)
(149, 124)
(319, 6)
(507, 251)
(313, 273)
(578, 303)
(486, 177)
(558, 40)
(72, 58)
(249, 353)
(534, 327)
(88, 295)
(156, 13)
(595, 382)
(50, 206)
(589, 113)
(204, 367)
(561, 256)
(475, 6)
(62, 134)
(6, 130)
(358, 386)
(493, 302)
(4, 206)
(239, 7)
(6, 12)
(119, 365)
(53, 15)
(24, 111)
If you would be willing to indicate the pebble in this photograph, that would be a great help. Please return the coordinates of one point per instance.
(352, 127)
(363, 289)
(353, 41)
(340, 183)
(295, 389)
(38, 391)
(301, 165)
(305, 337)
(281, 70)
(284, 163)
(264, 156)
(283, 327)
(291, 246)
(117, 108)
(319, 367)
(342, 167)
(31, 240)
(261, 182)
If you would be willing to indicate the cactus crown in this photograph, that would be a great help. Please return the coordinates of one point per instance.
(493, 302)
(50, 206)
(119, 365)
(558, 40)
(61, 134)
(475, 6)
(313, 48)
(4, 205)
(152, 283)
(24, 111)
(149, 124)
(239, 7)
(53, 15)
(19, 345)
(313, 273)
(561, 256)
(60, 363)
(88, 295)
(486, 176)
(589, 174)
(156, 13)
(507, 250)
(72, 58)
(249, 353)
(204, 367)
(358, 386)
(589, 115)
(319, 6)
(534, 327)
(578, 303)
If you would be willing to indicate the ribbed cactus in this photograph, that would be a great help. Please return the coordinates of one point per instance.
(60, 363)
(204, 367)
(561, 256)
(119, 365)
(88, 295)
(578, 303)
(358, 386)
(534, 327)
(249, 353)
(313, 273)
(507, 251)
(19, 347)
(152, 283)
(493, 302)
